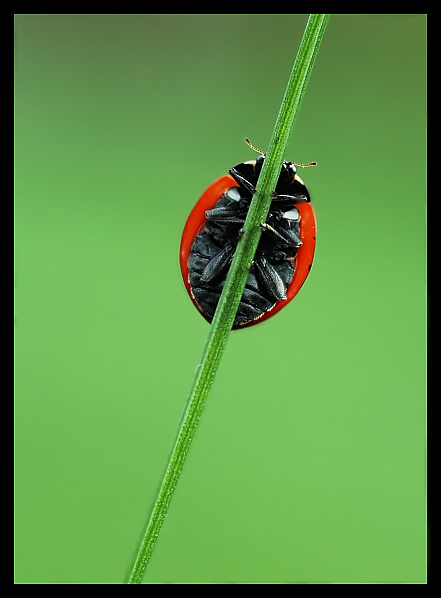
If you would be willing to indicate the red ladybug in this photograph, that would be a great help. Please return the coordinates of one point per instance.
(284, 255)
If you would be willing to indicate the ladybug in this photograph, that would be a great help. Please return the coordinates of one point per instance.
(284, 255)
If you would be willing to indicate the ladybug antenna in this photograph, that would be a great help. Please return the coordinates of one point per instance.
(304, 165)
(254, 148)
(263, 154)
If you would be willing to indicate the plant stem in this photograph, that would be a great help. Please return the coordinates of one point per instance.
(233, 289)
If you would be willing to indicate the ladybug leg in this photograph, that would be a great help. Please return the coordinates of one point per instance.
(269, 278)
(219, 264)
(224, 215)
(296, 198)
(288, 236)
(240, 180)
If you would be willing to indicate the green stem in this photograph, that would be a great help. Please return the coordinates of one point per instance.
(229, 301)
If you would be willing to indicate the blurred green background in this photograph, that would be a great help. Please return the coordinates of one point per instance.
(309, 462)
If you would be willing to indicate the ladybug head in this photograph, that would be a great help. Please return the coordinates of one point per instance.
(287, 173)
(259, 163)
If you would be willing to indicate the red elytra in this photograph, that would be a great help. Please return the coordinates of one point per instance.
(303, 260)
